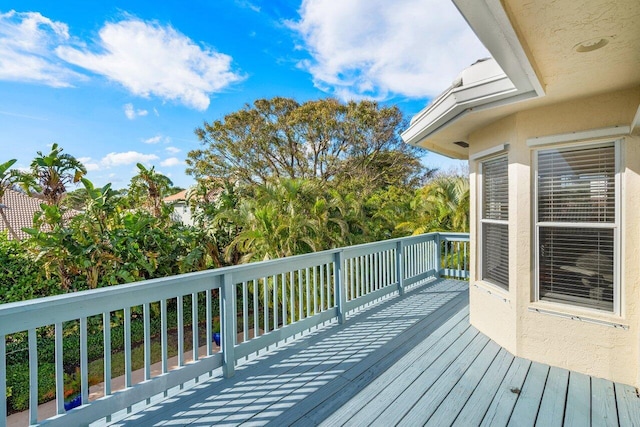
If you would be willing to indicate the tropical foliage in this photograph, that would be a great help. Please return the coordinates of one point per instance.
(441, 205)
(51, 174)
(274, 179)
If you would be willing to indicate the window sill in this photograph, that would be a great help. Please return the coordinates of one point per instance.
(493, 290)
(575, 313)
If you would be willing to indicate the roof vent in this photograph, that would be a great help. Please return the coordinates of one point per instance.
(462, 144)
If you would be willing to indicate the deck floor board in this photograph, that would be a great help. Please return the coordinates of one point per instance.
(603, 403)
(370, 399)
(478, 403)
(578, 404)
(408, 360)
(457, 398)
(431, 399)
(551, 412)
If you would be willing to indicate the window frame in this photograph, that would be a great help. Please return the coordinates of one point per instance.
(501, 154)
(615, 226)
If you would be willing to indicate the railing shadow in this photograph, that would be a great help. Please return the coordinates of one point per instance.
(302, 377)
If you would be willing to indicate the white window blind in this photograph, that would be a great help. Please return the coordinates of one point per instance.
(576, 222)
(494, 222)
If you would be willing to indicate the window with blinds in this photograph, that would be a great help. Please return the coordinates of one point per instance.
(576, 225)
(494, 222)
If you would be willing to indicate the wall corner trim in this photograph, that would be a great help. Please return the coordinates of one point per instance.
(635, 124)
(490, 152)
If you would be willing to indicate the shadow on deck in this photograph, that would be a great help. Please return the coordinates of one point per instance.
(409, 360)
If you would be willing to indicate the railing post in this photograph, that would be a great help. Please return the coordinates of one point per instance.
(438, 260)
(338, 260)
(59, 360)
(400, 266)
(228, 325)
(33, 376)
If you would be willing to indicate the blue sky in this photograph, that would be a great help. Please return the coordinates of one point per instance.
(115, 82)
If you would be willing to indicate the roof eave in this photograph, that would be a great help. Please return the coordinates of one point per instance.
(518, 81)
(455, 103)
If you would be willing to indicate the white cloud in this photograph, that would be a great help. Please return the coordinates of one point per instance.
(155, 139)
(89, 164)
(173, 150)
(150, 59)
(246, 4)
(132, 113)
(27, 44)
(127, 158)
(376, 48)
(171, 161)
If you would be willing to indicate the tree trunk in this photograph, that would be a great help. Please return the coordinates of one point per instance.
(12, 232)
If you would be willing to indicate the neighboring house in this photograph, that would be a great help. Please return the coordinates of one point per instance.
(181, 209)
(17, 213)
(551, 129)
(17, 210)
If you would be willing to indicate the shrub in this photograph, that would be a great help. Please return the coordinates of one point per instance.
(21, 277)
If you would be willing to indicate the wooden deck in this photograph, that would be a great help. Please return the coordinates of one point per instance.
(411, 360)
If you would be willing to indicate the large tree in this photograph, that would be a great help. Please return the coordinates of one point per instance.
(322, 139)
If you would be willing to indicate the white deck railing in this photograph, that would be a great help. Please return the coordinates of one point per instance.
(256, 305)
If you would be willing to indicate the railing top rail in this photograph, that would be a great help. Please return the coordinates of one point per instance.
(60, 308)
(455, 237)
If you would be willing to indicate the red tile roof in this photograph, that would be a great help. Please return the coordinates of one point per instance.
(19, 212)
(179, 196)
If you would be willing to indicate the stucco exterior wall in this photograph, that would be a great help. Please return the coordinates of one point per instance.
(598, 349)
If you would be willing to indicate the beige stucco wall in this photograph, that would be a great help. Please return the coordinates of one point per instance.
(507, 317)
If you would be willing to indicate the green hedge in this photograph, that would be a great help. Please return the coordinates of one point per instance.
(18, 385)
(22, 277)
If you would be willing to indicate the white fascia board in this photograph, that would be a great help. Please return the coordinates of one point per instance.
(455, 103)
(489, 21)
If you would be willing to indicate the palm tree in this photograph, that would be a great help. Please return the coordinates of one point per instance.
(7, 180)
(148, 188)
(441, 205)
(51, 174)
